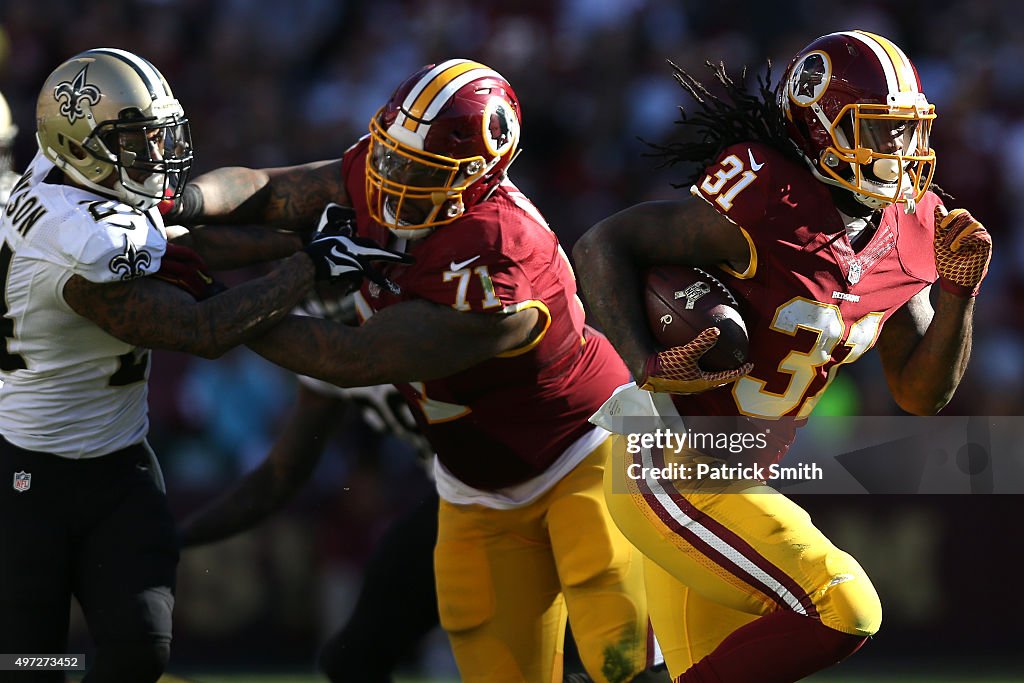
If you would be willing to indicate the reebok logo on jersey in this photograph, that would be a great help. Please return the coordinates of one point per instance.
(462, 264)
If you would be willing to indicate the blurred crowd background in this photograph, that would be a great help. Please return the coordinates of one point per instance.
(269, 82)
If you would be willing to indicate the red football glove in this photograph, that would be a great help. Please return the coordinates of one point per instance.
(184, 268)
(963, 249)
(676, 371)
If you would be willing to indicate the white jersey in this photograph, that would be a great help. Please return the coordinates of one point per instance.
(7, 180)
(69, 388)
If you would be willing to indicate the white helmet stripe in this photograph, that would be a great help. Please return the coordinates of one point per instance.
(427, 79)
(431, 93)
(449, 90)
(892, 77)
(146, 71)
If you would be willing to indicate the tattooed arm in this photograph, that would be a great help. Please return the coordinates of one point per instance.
(288, 198)
(612, 257)
(408, 342)
(154, 314)
(224, 247)
(291, 197)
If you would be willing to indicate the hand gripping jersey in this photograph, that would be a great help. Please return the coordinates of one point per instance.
(69, 388)
(811, 303)
(508, 419)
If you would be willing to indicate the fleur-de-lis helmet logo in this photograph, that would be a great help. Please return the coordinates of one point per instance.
(72, 93)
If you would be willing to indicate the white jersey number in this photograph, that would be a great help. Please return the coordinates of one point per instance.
(827, 322)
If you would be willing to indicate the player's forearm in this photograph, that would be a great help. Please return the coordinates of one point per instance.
(232, 194)
(324, 350)
(224, 247)
(290, 198)
(609, 279)
(244, 312)
(938, 362)
(413, 341)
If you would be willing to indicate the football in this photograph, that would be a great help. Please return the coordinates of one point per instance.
(682, 301)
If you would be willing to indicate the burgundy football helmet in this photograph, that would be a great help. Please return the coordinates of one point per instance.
(440, 145)
(855, 109)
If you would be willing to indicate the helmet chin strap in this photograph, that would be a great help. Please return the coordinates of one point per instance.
(872, 203)
(140, 195)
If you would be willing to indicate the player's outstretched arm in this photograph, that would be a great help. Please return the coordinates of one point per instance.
(408, 342)
(288, 199)
(612, 256)
(154, 314)
(276, 480)
(226, 247)
(924, 351)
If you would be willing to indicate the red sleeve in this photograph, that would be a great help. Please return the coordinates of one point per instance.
(739, 183)
(355, 152)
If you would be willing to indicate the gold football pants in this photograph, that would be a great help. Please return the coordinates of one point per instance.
(721, 554)
(507, 578)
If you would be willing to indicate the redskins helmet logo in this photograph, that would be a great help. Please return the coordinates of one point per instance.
(501, 127)
(72, 93)
(810, 79)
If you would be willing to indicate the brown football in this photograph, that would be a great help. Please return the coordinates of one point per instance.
(682, 301)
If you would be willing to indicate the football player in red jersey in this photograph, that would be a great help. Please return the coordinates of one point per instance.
(813, 203)
(485, 337)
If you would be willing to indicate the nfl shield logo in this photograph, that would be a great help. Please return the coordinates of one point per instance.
(22, 481)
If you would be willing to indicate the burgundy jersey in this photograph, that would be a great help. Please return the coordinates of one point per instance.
(810, 302)
(507, 419)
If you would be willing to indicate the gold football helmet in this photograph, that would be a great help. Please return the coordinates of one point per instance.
(108, 119)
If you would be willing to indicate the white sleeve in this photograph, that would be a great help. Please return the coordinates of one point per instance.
(119, 247)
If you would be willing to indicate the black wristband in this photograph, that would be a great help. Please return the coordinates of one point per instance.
(188, 207)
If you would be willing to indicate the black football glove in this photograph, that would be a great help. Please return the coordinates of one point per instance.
(335, 220)
(339, 258)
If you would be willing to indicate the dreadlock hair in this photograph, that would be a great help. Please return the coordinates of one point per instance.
(720, 122)
(740, 117)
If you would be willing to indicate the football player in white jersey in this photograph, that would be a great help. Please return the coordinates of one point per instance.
(81, 496)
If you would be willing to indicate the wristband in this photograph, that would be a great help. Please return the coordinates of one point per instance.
(958, 290)
(188, 207)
